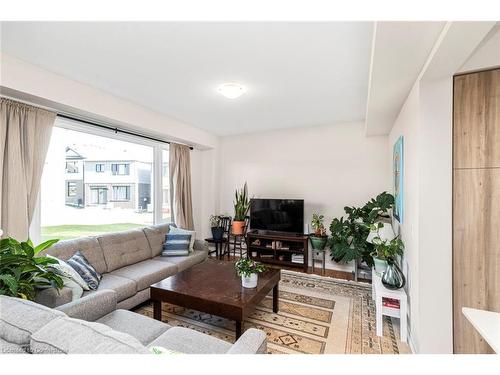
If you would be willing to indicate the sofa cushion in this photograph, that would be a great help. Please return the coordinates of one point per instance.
(10, 348)
(156, 237)
(121, 249)
(189, 341)
(185, 262)
(139, 326)
(123, 287)
(89, 246)
(73, 336)
(82, 266)
(20, 318)
(192, 233)
(147, 272)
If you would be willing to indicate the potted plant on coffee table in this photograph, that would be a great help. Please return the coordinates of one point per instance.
(319, 237)
(216, 227)
(241, 207)
(249, 271)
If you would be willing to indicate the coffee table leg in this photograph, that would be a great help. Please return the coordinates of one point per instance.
(238, 329)
(157, 310)
(276, 299)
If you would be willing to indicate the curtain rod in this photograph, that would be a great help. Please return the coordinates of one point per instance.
(115, 129)
(70, 117)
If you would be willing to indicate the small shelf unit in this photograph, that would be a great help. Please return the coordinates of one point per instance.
(290, 250)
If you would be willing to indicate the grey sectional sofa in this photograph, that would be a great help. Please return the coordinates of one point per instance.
(30, 328)
(129, 261)
(99, 322)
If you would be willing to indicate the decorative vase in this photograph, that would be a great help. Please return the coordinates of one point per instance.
(217, 233)
(380, 265)
(237, 227)
(249, 281)
(318, 242)
(393, 278)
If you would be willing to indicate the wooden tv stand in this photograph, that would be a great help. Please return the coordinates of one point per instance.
(264, 246)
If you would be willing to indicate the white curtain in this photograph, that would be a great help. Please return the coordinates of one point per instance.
(24, 138)
(180, 186)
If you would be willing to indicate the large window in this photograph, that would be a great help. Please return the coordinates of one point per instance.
(120, 169)
(112, 184)
(121, 193)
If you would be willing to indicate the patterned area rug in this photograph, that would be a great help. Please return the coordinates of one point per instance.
(318, 315)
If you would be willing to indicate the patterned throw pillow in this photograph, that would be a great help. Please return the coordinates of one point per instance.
(176, 245)
(192, 233)
(88, 273)
(65, 270)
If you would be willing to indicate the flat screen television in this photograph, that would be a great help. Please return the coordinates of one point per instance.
(277, 215)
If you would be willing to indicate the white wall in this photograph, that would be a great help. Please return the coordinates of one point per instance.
(407, 125)
(328, 166)
(425, 121)
(28, 82)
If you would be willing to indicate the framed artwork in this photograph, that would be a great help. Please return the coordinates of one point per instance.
(397, 169)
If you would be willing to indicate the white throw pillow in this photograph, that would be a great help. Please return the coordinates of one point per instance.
(174, 230)
(76, 290)
(64, 269)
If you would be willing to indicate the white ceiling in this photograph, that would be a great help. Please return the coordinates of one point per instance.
(297, 74)
(400, 50)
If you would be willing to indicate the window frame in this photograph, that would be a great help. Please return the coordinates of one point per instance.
(101, 169)
(127, 193)
(158, 147)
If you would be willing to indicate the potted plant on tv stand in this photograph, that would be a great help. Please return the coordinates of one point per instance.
(249, 271)
(216, 227)
(319, 237)
(241, 207)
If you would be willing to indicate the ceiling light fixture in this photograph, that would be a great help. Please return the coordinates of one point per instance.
(231, 90)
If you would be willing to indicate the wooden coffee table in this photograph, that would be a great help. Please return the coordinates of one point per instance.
(214, 287)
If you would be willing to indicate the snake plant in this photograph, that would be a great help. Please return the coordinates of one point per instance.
(241, 204)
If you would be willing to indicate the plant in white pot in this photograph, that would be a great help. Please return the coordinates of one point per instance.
(249, 271)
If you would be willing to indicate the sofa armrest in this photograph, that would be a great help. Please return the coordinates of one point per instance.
(91, 307)
(200, 245)
(253, 341)
(52, 297)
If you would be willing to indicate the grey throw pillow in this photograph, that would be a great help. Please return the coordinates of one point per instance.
(88, 273)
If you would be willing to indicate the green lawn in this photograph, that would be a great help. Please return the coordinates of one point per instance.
(67, 232)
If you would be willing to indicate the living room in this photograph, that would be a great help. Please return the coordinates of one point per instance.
(298, 185)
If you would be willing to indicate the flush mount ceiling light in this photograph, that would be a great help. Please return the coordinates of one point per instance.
(231, 90)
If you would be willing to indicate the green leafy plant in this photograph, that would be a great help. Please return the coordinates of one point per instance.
(348, 239)
(215, 221)
(245, 267)
(318, 226)
(384, 249)
(241, 204)
(21, 272)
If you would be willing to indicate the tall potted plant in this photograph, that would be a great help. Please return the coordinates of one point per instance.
(216, 227)
(319, 237)
(349, 233)
(241, 207)
(21, 272)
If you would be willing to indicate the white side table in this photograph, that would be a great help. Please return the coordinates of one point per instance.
(379, 291)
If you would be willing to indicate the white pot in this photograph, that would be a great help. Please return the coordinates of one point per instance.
(250, 281)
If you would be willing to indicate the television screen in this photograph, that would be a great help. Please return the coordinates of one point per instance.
(278, 215)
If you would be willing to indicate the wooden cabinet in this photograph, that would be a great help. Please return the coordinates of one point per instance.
(476, 203)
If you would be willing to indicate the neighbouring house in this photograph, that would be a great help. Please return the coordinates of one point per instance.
(99, 180)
